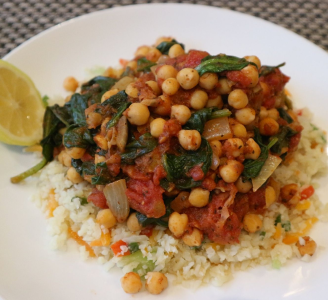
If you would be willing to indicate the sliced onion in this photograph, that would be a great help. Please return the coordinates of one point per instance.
(122, 134)
(267, 170)
(117, 200)
(123, 83)
(217, 129)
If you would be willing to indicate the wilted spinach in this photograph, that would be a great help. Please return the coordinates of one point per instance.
(220, 63)
(283, 139)
(63, 113)
(144, 65)
(164, 47)
(199, 118)
(83, 168)
(102, 175)
(252, 168)
(285, 115)
(77, 106)
(104, 83)
(137, 148)
(265, 70)
(177, 166)
(79, 137)
(120, 103)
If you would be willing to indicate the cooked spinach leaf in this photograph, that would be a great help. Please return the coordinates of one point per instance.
(83, 168)
(127, 72)
(177, 166)
(199, 118)
(102, 175)
(252, 168)
(79, 137)
(220, 63)
(144, 65)
(283, 139)
(83, 200)
(265, 70)
(77, 106)
(63, 113)
(137, 148)
(285, 115)
(104, 83)
(164, 47)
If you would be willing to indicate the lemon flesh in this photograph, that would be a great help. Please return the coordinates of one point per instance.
(21, 108)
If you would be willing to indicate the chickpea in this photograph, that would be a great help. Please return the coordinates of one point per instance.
(153, 54)
(252, 223)
(224, 86)
(133, 223)
(70, 84)
(105, 217)
(263, 113)
(252, 150)
(238, 99)
(132, 91)
(138, 114)
(268, 127)
(252, 73)
(266, 90)
(306, 245)
(154, 86)
(273, 113)
(245, 115)
(188, 78)
(101, 141)
(289, 193)
(65, 159)
(234, 146)
(231, 170)
(270, 195)
(99, 159)
(198, 99)
(176, 50)
(75, 152)
(166, 71)
(208, 81)
(178, 223)
(254, 59)
(243, 185)
(189, 139)
(156, 282)
(215, 102)
(181, 113)
(131, 283)
(164, 106)
(132, 65)
(193, 239)
(156, 127)
(170, 86)
(216, 148)
(93, 119)
(142, 51)
(109, 94)
(74, 176)
(239, 130)
(199, 197)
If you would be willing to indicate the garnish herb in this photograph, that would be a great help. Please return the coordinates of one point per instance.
(164, 47)
(285, 115)
(83, 200)
(177, 166)
(252, 168)
(283, 137)
(45, 99)
(144, 65)
(265, 70)
(286, 225)
(221, 63)
(133, 247)
(199, 118)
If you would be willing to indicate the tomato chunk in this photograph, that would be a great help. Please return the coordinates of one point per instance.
(307, 193)
(118, 251)
(98, 199)
(146, 198)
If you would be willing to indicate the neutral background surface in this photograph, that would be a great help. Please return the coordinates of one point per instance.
(22, 19)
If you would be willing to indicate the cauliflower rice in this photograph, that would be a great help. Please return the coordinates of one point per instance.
(192, 267)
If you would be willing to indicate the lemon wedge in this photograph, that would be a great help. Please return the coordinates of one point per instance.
(21, 107)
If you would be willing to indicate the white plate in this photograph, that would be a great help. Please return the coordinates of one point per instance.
(28, 269)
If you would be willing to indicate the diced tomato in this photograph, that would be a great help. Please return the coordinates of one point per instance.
(159, 173)
(86, 157)
(116, 247)
(209, 184)
(194, 58)
(307, 193)
(98, 199)
(256, 200)
(269, 103)
(146, 198)
(148, 231)
(239, 78)
(196, 173)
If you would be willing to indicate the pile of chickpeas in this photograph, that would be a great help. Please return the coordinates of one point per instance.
(225, 150)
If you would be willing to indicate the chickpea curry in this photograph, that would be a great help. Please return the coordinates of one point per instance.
(184, 140)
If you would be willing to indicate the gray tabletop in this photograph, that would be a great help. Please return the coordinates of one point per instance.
(22, 19)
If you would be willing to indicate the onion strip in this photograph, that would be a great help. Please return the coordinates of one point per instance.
(117, 200)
